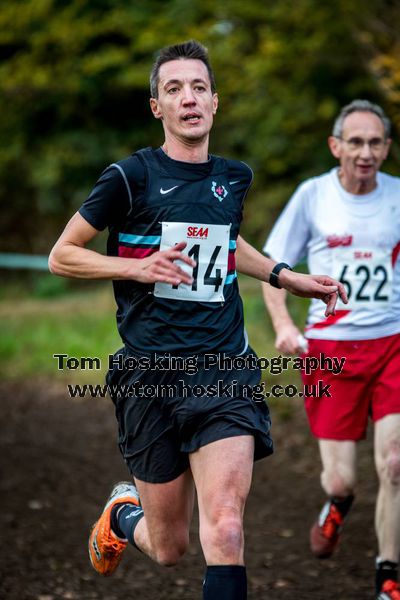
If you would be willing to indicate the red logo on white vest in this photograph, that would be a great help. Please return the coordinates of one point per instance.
(334, 241)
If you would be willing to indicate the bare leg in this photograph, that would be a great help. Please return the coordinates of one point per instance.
(222, 472)
(163, 533)
(338, 480)
(338, 477)
(387, 460)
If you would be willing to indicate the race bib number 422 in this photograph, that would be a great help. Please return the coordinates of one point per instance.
(208, 246)
(367, 276)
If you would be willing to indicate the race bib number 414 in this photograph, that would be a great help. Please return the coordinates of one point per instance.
(367, 276)
(208, 246)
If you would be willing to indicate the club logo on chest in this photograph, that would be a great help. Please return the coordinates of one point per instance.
(219, 191)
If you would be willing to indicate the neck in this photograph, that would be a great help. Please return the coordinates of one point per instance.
(355, 186)
(195, 151)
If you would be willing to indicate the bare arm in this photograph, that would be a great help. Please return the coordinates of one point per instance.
(251, 262)
(288, 336)
(70, 258)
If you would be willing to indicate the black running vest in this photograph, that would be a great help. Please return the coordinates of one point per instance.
(194, 198)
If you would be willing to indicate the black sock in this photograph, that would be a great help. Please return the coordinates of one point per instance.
(124, 519)
(385, 569)
(343, 504)
(225, 582)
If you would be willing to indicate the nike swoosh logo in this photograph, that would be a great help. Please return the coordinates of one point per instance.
(167, 191)
(233, 182)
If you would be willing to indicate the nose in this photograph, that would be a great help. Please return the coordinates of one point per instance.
(365, 151)
(188, 96)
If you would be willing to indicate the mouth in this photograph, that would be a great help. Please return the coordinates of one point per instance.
(191, 117)
(366, 167)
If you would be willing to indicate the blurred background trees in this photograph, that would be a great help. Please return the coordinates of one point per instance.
(74, 94)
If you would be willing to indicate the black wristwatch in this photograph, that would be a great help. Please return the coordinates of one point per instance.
(274, 277)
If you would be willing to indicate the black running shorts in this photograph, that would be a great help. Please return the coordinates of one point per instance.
(164, 415)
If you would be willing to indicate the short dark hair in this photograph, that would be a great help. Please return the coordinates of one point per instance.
(190, 49)
(360, 106)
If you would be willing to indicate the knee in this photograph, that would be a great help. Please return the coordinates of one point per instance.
(389, 466)
(226, 533)
(168, 554)
(339, 481)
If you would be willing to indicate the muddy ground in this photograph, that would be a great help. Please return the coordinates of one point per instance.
(59, 460)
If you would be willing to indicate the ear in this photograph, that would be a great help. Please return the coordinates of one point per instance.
(334, 146)
(155, 108)
(215, 103)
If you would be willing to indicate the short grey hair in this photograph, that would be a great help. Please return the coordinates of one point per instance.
(189, 49)
(360, 106)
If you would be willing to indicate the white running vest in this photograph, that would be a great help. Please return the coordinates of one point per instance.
(355, 239)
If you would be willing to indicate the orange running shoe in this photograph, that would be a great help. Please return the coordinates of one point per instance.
(105, 548)
(324, 534)
(390, 590)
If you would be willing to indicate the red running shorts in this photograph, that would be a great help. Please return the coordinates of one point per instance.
(369, 385)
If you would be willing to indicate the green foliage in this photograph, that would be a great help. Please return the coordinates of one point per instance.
(74, 93)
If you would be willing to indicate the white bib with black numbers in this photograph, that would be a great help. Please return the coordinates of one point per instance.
(367, 276)
(208, 246)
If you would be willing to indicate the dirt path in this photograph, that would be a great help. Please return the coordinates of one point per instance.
(58, 461)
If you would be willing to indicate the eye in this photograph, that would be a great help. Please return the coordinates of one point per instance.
(200, 88)
(356, 142)
(172, 90)
(376, 143)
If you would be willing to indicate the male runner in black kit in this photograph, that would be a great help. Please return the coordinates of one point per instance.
(191, 423)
